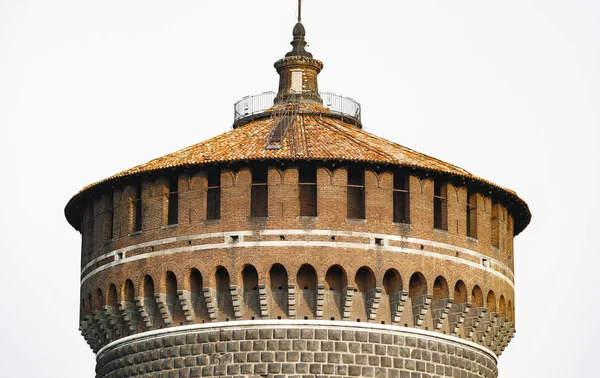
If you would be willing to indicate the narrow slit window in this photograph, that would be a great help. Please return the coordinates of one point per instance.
(356, 193)
(401, 199)
(137, 209)
(307, 184)
(495, 224)
(259, 199)
(471, 211)
(90, 229)
(109, 219)
(440, 214)
(173, 201)
(213, 196)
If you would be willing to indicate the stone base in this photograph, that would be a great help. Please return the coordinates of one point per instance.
(294, 348)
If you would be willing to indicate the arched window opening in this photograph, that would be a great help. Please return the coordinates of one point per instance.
(460, 292)
(306, 278)
(306, 281)
(477, 297)
(307, 185)
(335, 279)
(150, 302)
(224, 300)
(491, 302)
(251, 298)
(130, 307)
(112, 295)
(440, 205)
(148, 287)
(471, 212)
(364, 280)
(129, 292)
(392, 283)
(502, 307)
(99, 302)
(173, 201)
(356, 193)
(89, 304)
(173, 302)
(278, 281)
(440, 289)
(401, 198)
(335, 283)
(259, 195)
(197, 296)
(213, 195)
(511, 312)
(417, 286)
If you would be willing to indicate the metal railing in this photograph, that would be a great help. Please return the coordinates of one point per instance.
(250, 106)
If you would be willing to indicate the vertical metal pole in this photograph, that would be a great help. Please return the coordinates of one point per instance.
(299, 10)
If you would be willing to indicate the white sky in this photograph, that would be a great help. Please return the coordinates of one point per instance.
(509, 91)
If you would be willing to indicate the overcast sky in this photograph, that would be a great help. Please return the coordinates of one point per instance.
(507, 90)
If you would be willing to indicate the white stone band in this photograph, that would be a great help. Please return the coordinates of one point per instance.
(285, 243)
(314, 324)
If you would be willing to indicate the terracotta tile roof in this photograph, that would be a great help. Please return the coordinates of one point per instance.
(315, 136)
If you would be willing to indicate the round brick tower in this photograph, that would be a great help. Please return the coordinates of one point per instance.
(297, 244)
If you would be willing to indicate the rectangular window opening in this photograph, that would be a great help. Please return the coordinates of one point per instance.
(401, 199)
(495, 229)
(356, 193)
(471, 211)
(307, 184)
(259, 195)
(137, 205)
(173, 200)
(440, 214)
(110, 217)
(213, 195)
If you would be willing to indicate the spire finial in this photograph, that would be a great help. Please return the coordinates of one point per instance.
(299, 43)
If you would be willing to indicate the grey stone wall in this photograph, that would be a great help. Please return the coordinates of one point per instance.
(294, 350)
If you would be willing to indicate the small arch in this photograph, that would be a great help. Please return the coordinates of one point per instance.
(511, 312)
(364, 280)
(335, 283)
(250, 278)
(278, 278)
(171, 283)
(460, 292)
(224, 300)
(196, 283)
(306, 281)
(112, 295)
(128, 291)
(491, 302)
(417, 285)
(502, 307)
(89, 305)
(197, 296)
(250, 289)
(440, 288)
(222, 279)
(392, 282)
(148, 287)
(335, 279)
(99, 302)
(306, 278)
(278, 283)
(477, 297)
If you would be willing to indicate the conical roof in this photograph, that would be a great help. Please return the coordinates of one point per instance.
(314, 135)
